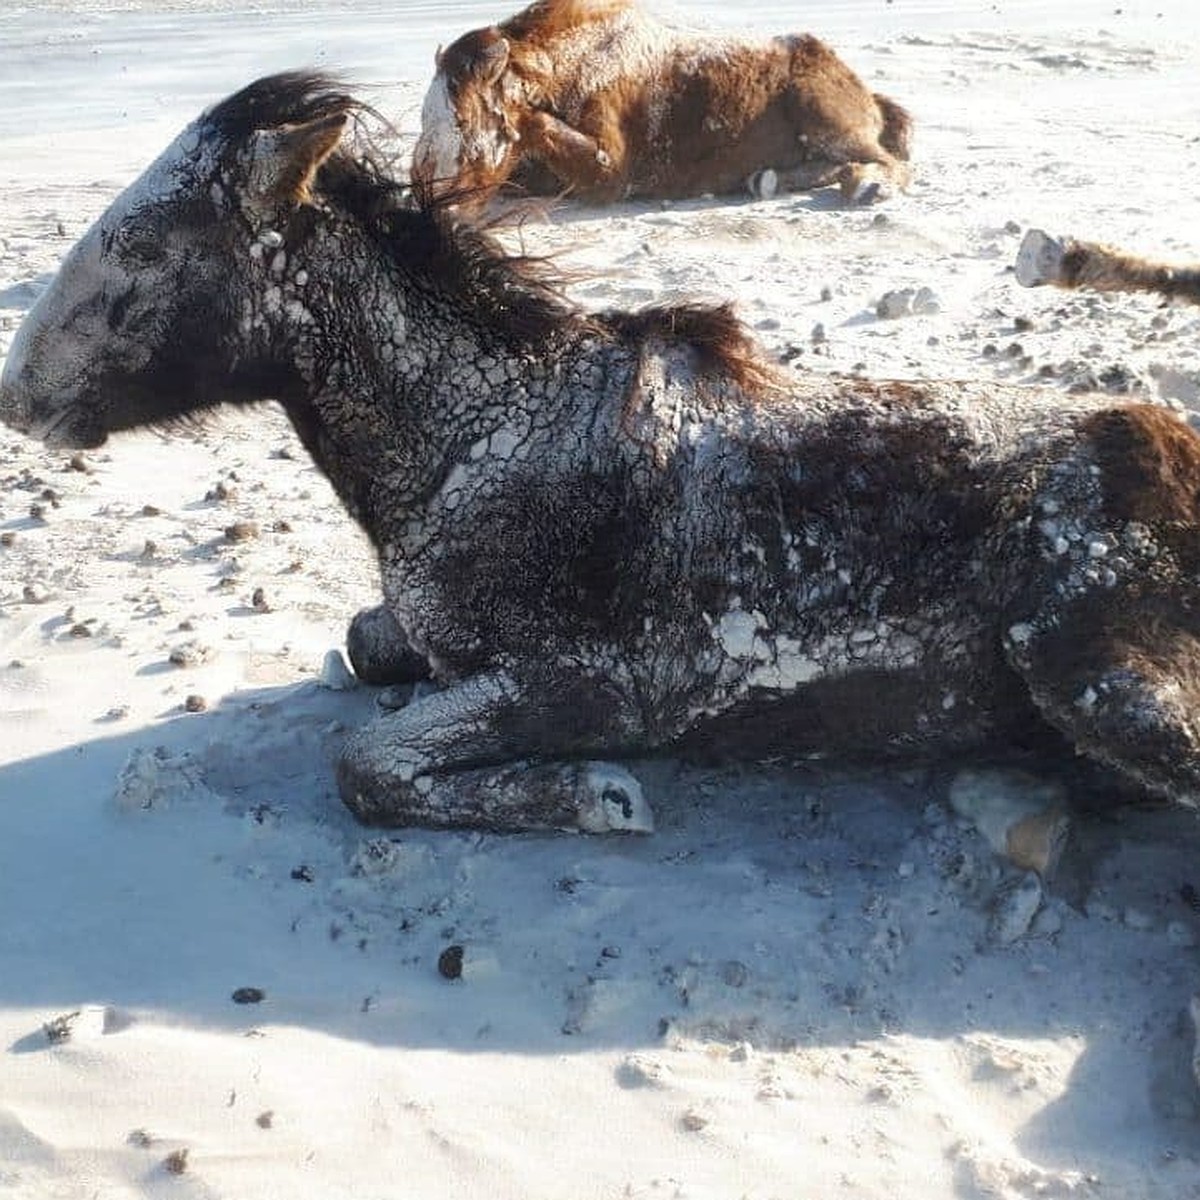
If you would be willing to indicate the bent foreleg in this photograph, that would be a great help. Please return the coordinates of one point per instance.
(579, 160)
(1125, 688)
(480, 755)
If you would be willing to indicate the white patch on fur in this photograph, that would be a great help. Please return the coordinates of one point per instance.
(445, 147)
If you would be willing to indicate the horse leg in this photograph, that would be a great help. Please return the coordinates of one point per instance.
(875, 178)
(460, 758)
(1124, 685)
(379, 649)
(577, 159)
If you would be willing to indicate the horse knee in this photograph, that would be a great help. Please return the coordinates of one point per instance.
(379, 650)
(1126, 696)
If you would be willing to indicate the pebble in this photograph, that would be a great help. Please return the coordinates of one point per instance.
(907, 302)
(335, 675)
(258, 601)
(176, 1162)
(450, 962)
(241, 531)
(1015, 910)
(640, 1070)
(248, 995)
(189, 654)
(195, 704)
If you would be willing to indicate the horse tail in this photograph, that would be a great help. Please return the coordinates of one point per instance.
(897, 127)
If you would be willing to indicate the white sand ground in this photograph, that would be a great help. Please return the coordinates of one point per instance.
(800, 985)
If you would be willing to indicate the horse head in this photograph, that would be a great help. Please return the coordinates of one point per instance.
(153, 315)
(469, 123)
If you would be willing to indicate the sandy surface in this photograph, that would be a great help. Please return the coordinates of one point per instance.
(809, 982)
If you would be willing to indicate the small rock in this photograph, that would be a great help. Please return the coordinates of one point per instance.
(639, 1070)
(59, 1029)
(177, 1161)
(151, 510)
(34, 593)
(693, 1121)
(303, 873)
(335, 675)
(258, 601)
(265, 1120)
(7, 538)
(195, 704)
(80, 464)
(450, 962)
(1015, 910)
(190, 654)
(248, 995)
(241, 531)
(79, 630)
(140, 1138)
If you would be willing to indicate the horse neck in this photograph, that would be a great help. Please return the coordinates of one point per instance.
(398, 383)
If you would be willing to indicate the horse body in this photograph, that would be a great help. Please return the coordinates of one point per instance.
(604, 534)
(607, 102)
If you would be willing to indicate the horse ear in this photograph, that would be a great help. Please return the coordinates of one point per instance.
(284, 161)
(494, 60)
(438, 54)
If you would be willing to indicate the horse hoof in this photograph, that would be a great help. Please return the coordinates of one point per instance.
(1039, 259)
(613, 802)
(763, 185)
(869, 192)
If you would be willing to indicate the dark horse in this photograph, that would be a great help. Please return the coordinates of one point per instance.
(600, 99)
(603, 534)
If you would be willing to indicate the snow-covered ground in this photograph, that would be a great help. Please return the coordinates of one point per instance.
(809, 982)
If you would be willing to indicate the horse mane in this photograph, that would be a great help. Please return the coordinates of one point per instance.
(715, 334)
(518, 297)
(549, 17)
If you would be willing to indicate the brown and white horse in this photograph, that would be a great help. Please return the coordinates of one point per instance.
(1067, 263)
(600, 99)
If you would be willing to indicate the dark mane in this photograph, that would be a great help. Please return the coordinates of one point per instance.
(289, 98)
(517, 296)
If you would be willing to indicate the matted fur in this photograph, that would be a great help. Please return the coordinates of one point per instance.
(601, 535)
(1092, 266)
(603, 101)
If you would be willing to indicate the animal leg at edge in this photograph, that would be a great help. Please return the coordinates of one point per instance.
(457, 759)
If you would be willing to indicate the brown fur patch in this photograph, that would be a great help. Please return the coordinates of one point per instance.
(1150, 465)
(1107, 269)
(722, 343)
